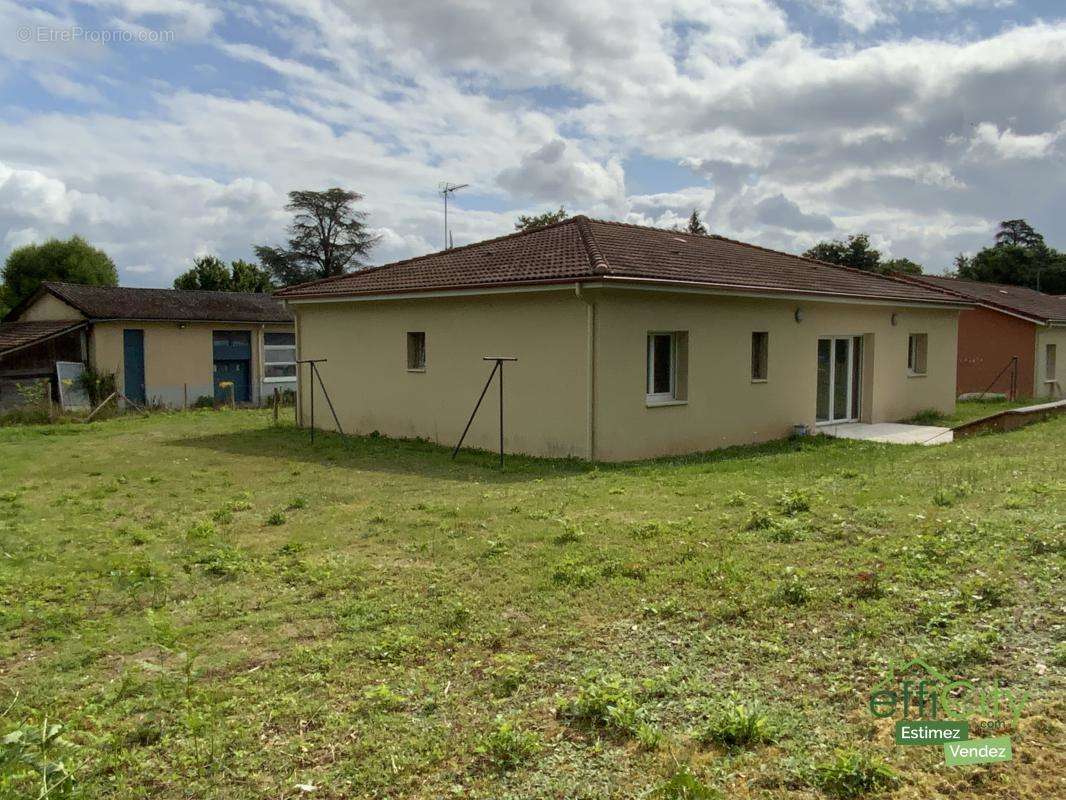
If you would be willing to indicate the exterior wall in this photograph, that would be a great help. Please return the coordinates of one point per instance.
(987, 342)
(724, 407)
(372, 390)
(178, 361)
(49, 307)
(548, 400)
(1044, 337)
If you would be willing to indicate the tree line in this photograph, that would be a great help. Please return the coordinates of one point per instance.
(329, 236)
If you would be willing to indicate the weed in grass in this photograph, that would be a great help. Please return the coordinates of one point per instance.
(1058, 656)
(983, 593)
(738, 727)
(276, 518)
(223, 561)
(668, 608)
(853, 774)
(456, 617)
(792, 591)
(737, 500)
(683, 785)
(648, 530)
(382, 698)
(969, 649)
(866, 585)
(296, 504)
(787, 530)
(1042, 544)
(393, 646)
(239, 504)
(507, 746)
(574, 573)
(605, 700)
(794, 501)
(759, 520)
(223, 516)
(494, 549)
(927, 416)
(508, 674)
(570, 535)
(33, 762)
(202, 530)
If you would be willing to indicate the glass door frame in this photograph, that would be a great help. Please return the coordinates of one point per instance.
(854, 376)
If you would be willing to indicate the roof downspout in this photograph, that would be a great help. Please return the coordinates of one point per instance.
(590, 373)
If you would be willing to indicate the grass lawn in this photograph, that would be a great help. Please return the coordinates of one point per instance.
(212, 607)
(970, 410)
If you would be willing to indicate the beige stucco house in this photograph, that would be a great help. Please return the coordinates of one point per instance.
(631, 342)
(166, 347)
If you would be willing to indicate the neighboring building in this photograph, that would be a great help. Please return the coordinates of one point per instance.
(1008, 322)
(631, 342)
(165, 346)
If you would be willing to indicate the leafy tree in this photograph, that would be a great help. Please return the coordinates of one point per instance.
(248, 277)
(695, 224)
(73, 260)
(530, 223)
(1020, 257)
(904, 265)
(1018, 233)
(210, 273)
(855, 252)
(327, 236)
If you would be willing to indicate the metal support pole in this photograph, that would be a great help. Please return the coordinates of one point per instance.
(496, 366)
(314, 367)
(310, 372)
(470, 421)
(501, 413)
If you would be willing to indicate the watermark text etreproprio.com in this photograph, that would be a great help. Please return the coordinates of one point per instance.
(41, 34)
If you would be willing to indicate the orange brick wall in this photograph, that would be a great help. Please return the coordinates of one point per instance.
(987, 341)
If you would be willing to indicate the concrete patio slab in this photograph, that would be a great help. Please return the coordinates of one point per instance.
(890, 432)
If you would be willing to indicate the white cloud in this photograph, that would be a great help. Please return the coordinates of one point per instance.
(990, 142)
(555, 172)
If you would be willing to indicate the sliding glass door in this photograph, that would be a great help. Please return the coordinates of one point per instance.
(839, 378)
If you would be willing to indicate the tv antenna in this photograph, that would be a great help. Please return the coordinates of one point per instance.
(447, 189)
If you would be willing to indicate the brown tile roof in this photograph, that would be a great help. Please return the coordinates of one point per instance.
(1017, 299)
(119, 302)
(581, 249)
(14, 335)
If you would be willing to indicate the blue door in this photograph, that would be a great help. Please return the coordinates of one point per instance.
(233, 360)
(133, 365)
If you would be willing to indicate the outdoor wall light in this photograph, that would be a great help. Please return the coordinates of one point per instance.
(799, 315)
(895, 319)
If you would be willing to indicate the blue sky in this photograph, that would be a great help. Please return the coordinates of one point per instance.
(163, 130)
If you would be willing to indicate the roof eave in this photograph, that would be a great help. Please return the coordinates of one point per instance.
(947, 301)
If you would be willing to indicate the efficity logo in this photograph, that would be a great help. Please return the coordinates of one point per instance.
(932, 708)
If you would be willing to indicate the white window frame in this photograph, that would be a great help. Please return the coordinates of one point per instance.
(652, 397)
(267, 362)
(1051, 356)
(912, 355)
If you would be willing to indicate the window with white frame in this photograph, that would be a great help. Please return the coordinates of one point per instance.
(1049, 363)
(667, 367)
(279, 357)
(917, 351)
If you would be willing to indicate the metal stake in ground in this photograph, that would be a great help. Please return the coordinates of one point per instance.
(498, 365)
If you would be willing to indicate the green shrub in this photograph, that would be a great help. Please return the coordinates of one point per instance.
(574, 573)
(276, 518)
(508, 674)
(853, 774)
(204, 401)
(507, 746)
(737, 726)
(928, 416)
(296, 504)
(737, 500)
(32, 762)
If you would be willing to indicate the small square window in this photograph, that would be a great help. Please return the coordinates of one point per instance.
(917, 351)
(416, 350)
(760, 355)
